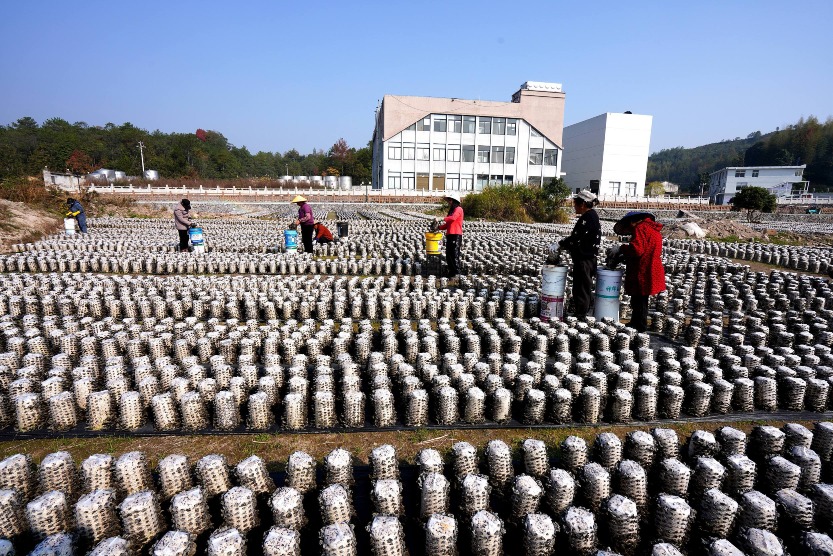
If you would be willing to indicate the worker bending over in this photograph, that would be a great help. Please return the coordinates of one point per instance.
(644, 273)
(322, 234)
(77, 211)
(583, 246)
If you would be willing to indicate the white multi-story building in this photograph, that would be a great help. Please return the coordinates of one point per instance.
(608, 154)
(782, 181)
(438, 144)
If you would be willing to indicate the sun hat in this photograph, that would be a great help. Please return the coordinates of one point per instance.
(621, 227)
(298, 199)
(453, 195)
(586, 195)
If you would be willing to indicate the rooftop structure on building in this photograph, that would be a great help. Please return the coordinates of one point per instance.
(438, 144)
(782, 181)
(608, 154)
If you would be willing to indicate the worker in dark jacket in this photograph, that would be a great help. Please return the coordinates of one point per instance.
(453, 225)
(583, 246)
(644, 273)
(182, 221)
(307, 220)
(77, 211)
(322, 233)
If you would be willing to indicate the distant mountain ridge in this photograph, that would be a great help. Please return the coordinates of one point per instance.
(807, 142)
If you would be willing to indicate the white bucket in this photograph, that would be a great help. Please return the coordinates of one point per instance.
(553, 282)
(608, 288)
(69, 226)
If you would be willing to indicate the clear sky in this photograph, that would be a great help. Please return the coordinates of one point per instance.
(277, 75)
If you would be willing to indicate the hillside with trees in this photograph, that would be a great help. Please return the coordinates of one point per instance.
(807, 142)
(26, 148)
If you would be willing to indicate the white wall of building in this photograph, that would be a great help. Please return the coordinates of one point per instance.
(725, 183)
(608, 153)
(404, 164)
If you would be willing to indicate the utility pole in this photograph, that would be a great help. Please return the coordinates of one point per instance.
(287, 169)
(142, 154)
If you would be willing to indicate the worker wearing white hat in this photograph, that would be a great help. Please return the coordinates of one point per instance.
(453, 223)
(583, 246)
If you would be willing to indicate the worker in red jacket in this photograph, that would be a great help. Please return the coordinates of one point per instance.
(453, 224)
(644, 273)
(322, 233)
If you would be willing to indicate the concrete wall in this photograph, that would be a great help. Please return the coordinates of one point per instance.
(612, 148)
(66, 182)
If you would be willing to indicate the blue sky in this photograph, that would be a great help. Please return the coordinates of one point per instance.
(277, 75)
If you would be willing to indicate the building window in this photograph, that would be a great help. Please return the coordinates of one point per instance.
(394, 153)
(742, 184)
(422, 181)
(482, 180)
(424, 124)
(439, 124)
(393, 180)
(550, 157)
(631, 187)
(408, 151)
(508, 179)
(484, 125)
(536, 156)
(453, 154)
(468, 153)
(798, 173)
(452, 181)
(755, 173)
(496, 180)
(616, 187)
(497, 155)
(423, 152)
(455, 124)
(510, 155)
(469, 124)
(534, 132)
(498, 126)
(439, 152)
(467, 182)
(408, 180)
(483, 154)
(534, 180)
(511, 126)
(411, 127)
(740, 173)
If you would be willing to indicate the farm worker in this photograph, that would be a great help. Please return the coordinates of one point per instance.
(182, 221)
(583, 246)
(306, 220)
(453, 224)
(322, 234)
(644, 273)
(77, 211)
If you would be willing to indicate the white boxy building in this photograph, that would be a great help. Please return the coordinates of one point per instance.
(608, 154)
(782, 181)
(439, 144)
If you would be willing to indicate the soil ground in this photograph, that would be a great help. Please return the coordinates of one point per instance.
(276, 448)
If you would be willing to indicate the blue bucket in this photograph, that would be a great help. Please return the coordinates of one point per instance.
(195, 235)
(290, 239)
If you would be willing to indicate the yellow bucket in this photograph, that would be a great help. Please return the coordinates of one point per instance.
(432, 242)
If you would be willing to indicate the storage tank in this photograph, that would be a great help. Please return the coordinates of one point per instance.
(301, 178)
(345, 182)
(317, 180)
(331, 181)
(118, 175)
(151, 175)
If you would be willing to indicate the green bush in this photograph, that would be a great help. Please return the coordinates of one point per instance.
(519, 202)
(754, 200)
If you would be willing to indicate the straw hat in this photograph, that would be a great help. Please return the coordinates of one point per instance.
(453, 195)
(298, 199)
(586, 195)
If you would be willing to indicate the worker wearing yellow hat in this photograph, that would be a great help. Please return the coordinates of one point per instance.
(307, 221)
